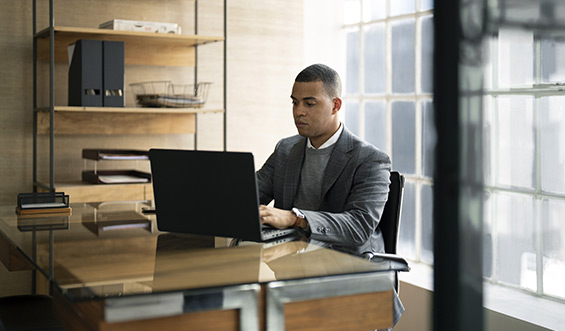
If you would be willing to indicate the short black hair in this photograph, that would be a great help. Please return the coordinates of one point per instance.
(322, 73)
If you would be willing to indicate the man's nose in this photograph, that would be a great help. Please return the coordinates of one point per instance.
(299, 110)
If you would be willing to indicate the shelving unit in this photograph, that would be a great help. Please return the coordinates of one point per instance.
(146, 49)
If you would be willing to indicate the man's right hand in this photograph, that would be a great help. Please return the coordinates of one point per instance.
(278, 218)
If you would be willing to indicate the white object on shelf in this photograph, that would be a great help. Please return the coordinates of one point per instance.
(141, 26)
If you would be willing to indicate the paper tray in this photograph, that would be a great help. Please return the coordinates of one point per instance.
(169, 101)
(114, 154)
(116, 177)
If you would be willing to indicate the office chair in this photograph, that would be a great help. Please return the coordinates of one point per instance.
(28, 313)
(390, 225)
(390, 219)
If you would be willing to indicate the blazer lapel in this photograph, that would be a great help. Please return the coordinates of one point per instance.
(292, 176)
(338, 160)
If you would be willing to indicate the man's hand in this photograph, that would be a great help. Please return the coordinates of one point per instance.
(278, 218)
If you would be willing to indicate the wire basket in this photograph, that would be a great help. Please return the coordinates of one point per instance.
(169, 95)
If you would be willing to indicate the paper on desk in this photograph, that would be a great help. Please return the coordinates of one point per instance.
(104, 156)
(114, 179)
(70, 51)
(44, 205)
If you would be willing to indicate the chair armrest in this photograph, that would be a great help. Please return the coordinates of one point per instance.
(402, 264)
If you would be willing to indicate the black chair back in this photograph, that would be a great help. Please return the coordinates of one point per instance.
(390, 220)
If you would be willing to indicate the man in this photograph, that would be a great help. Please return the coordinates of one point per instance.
(325, 180)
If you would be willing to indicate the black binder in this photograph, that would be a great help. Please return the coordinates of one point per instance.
(113, 73)
(85, 74)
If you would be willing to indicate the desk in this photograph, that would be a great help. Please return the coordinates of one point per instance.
(111, 269)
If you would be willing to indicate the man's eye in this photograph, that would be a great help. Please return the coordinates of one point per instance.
(310, 104)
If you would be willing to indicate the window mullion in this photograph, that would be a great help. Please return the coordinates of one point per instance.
(361, 82)
(388, 75)
(537, 172)
(494, 162)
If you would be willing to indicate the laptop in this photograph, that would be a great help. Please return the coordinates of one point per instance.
(209, 193)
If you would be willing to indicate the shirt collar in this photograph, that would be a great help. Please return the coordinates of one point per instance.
(333, 139)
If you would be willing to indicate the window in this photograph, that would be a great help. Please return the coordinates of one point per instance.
(388, 101)
(525, 158)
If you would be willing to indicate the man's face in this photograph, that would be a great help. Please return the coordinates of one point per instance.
(315, 113)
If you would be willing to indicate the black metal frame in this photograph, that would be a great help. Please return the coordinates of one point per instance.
(457, 301)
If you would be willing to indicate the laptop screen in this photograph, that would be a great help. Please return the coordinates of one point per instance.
(206, 192)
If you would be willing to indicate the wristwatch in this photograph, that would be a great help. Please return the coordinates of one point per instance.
(300, 219)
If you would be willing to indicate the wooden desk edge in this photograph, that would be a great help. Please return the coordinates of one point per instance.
(11, 257)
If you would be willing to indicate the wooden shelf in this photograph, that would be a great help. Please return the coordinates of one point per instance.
(141, 48)
(119, 120)
(136, 110)
(80, 192)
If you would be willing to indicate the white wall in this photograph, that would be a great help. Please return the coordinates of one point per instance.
(323, 34)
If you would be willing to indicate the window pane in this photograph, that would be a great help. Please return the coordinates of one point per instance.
(553, 247)
(488, 61)
(352, 66)
(488, 135)
(407, 235)
(428, 138)
(516, 258)
(375, 123)
(516, 50)
(403, 56)
(403, 137)
(427, 224)
(426, 4)
(488, 237)
(427, 54)
(352, 116)
(351, 11)
(552, 113)
(400, 7)
(374, 10)
(375, 60)
(515, 141)
(553, 61)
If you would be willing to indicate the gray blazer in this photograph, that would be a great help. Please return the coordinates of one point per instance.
(354, 191)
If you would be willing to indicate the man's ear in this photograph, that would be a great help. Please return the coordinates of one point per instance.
(336, 105)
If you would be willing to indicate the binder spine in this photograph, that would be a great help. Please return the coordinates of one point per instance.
(85, 74)
(113, 73)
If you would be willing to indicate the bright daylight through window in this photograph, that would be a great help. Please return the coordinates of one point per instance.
(388, 101)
